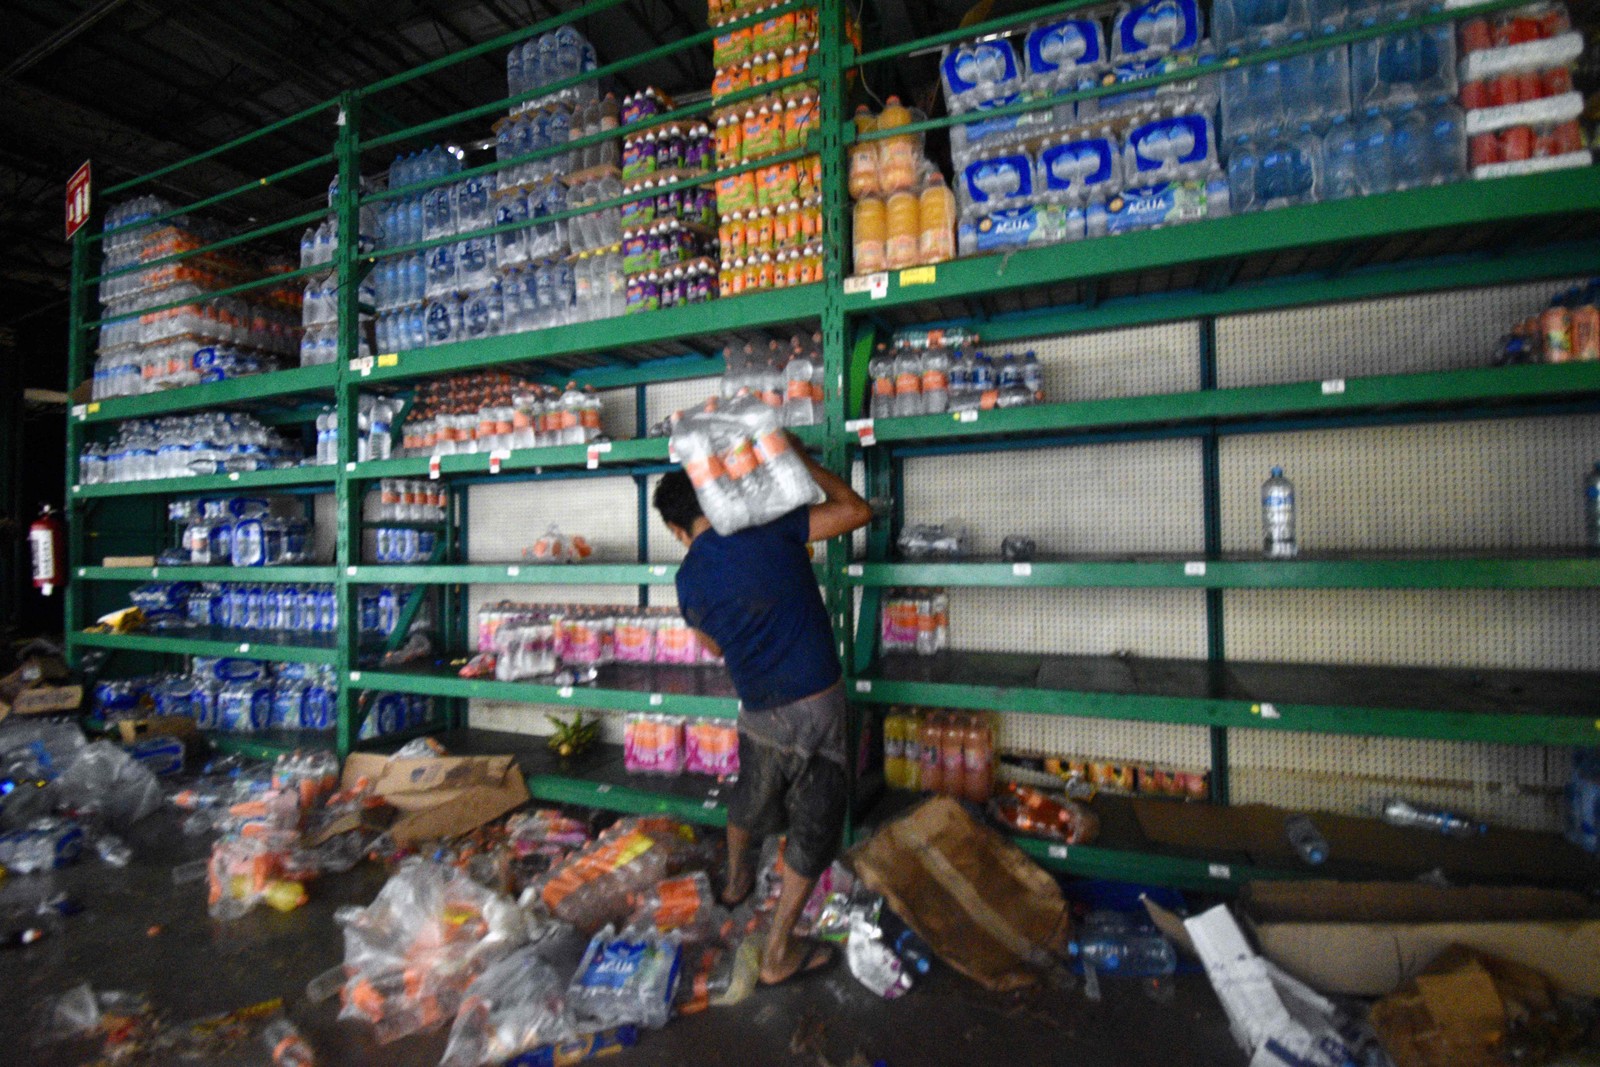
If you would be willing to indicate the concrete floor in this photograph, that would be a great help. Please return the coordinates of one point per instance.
(138, 932)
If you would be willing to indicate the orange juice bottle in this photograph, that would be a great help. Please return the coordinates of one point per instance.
(897, 156)
(901, 243)
(864, 158)
(936, 220)
(871, 235)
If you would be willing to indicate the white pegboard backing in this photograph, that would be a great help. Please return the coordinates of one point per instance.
(516, 718)
(324, 526)
(502, 520)
(1510, 785)
(1490, 484)
(1118, 363)
(479, 595)
(1109, 498)
(1399, 335)
(1534, 629)
(1163, 744)
(663, 399)
(617, 414)
(1089, 622)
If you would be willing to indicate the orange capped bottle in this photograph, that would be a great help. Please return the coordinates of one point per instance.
(898, 156)
(871, 235)
(863, 179)
(936, 219)
(931, 757)
(903, 239)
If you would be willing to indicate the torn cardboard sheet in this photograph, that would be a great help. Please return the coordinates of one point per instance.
(440, 797)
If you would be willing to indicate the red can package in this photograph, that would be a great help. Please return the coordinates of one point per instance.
(1556, 82)
(1485, 149)
(1476, 35)
(1475, 95)
(1517, 29)
(1530, 86)
(1516, 144)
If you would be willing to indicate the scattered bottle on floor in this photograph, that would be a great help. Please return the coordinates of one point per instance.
(1277, 516)
(1306, 839)
(1397, 812)
(1114, 945)
(1591, 507)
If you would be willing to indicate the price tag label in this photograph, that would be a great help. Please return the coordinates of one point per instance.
(919, 276)
(709, 804)
(355, 676)
(389, 359)
(565, 692)
(1194, 569)
(350, 468)
(233, 476)
(1057, 852)
(498, 456)
(362, 366)
(855, 570)
(1269, 711)
(244, 647)
(433, 468)
(655, 700)
(78, 411)
(350, 572)
(878, 285)
(1220, 870)
(863, 686)
(155, 572)
(603, 787)
(966, 416)
(595, 452)
(1332, 386)
(659, 572)
(512, 572)
(93, 408)
(83, 572)
(862, 428)
(77, 489)
(1022, 570)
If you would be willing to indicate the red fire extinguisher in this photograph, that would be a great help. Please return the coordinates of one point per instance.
(46, 542)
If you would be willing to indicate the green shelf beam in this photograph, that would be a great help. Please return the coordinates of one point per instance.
(1468, 203)
(1332, 397)
(518, 574)
(253, 575)
(751, 311)
(560, 789)
(247, 645)
(1095, 861)
(1577, 571)
(1528, 727)
(576, 696)
(255, 387)
(209, 483)
(269, 747)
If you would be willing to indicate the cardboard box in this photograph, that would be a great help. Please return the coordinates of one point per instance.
(43, 700)
(982, 905)
(130, 731)
(440, 797)
(128, 561)
(1370, 938)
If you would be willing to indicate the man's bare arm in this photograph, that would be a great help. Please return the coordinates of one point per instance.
(704, 640)
(842, 509)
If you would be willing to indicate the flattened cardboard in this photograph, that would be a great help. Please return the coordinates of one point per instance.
(128, 561)
(441, 797)
(1369, 939)
(980, 903)
(130, 731)
(43, 700)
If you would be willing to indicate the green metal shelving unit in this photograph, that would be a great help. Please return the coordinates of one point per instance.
(1469, 234)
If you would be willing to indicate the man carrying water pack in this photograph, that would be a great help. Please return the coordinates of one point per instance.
(753, 597)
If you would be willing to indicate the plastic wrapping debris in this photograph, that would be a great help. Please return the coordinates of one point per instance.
(873, 962)
(412, 953)
(515, 1005)
(288, 1048)
(113, 850)
(71, 1014)
(715, 974)
(593, 887)
(107, 783)
(1040, 814)
(675, 903)
(244, 870)
(43, 844)
(626, 979)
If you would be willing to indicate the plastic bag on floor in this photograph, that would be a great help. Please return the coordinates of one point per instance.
(412, 953)
(744, 469)
(106, 782)
(515, 1005)
(626, 980)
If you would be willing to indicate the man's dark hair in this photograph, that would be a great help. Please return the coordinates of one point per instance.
(676, 501)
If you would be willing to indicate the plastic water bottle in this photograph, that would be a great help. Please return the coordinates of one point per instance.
(1591, 508)
(798, 409)
(881, 370)
(1341, 161)
(936, 379)
(1409, 152)
(1032, 377)
(1277, 516)
(1131, 954)
(907, 383)
(961, 397)
(1306, 839)
(1397, 812)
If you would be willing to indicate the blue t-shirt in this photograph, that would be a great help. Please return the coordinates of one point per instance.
(754, 593)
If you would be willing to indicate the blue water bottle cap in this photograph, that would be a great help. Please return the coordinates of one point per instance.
(1277, 472)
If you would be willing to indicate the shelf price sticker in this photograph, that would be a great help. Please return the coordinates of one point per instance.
(876, 286)
(854, 570)
(497, 457)
(79, 411)
(658, 571)
(233, 476)
(709, 803)
(1022, 570)
(244, 646)
(1220, 870)
(603, 787)
(1057, 852)
(863, 685)
(389, 359)
(350, 572)
(512, 572)
(1194, 569)
(355, 676)
(350, 468)
(155, 572)
(965, 416)
(565, 692)
(433, 468)
(918, 276)
(362, 366)
(595, 452)
(1266, 711)
(863, 430)
(655, 700)
(92, 409)
(1332, 386)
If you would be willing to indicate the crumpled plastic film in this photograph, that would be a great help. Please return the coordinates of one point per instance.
(518, 1003)
(107, 782)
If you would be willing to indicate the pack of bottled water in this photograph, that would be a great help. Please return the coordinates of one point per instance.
(744, 470)
(787, 378)
(929, 372)
(248, 696)
(375, 416)
(547, 60)
(182, 446)
(242, 531)
(271, 608)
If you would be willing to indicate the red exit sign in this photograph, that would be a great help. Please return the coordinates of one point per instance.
(77, 200)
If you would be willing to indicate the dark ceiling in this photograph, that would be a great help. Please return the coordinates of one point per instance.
(136, 84)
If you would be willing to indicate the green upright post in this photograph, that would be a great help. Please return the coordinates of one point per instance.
(73, 510)
(347, 552)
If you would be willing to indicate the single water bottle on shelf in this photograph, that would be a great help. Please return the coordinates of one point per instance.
(797, 407)
(1591, 508)
(1397, 812)
(881, 370)
(1277, 516)
(936, 379)
(908, 383)
(1306, 839)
